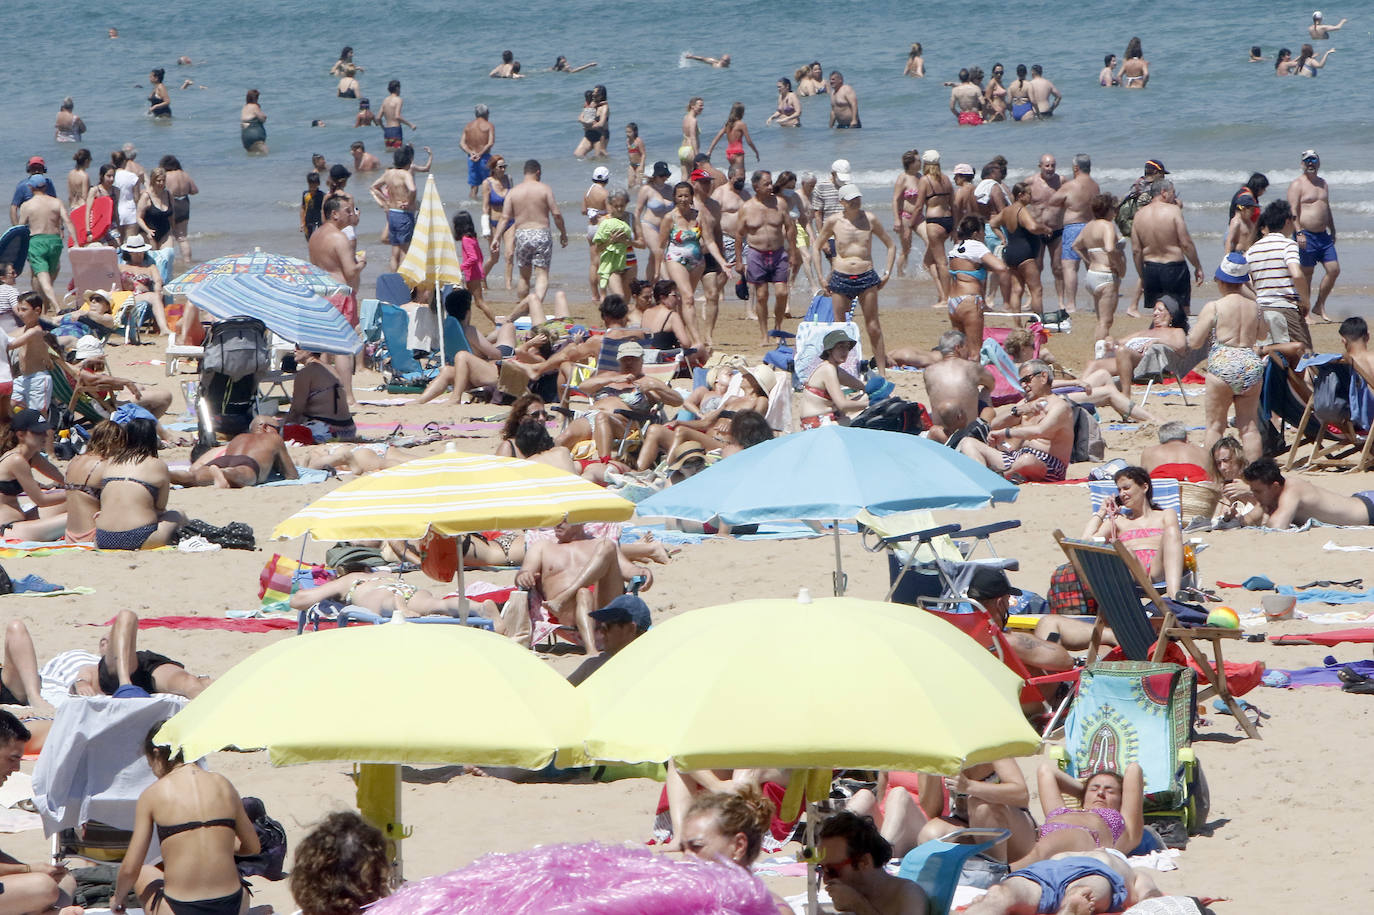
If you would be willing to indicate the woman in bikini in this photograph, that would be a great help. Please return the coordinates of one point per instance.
(1284, 65)
(691, 135)
(1135, 69)
(634, 155)
(492, 193)
(1234, 327)
(1110, 814)
(85, 474)
(736, 134)
(385, 594)
(907, 218)
(785, 186)
(133, 493)
(663, 321)
(318, 399)
(969, 263)
(1150, 532)
(155, 209)
(788, 113)
(1025, 238)
(1103, 251)
(104, 187)
(714, 413)
(934, 203)
(46, 519)
(823, 400)
(1168, 326)
(656, 196)
(159, 102)
(683, 246)
(142, 278)
(810, 80)
(1308, 63)
(1018, 96)
(78, 179)
(915, 62)
(201, 825)
(995, 95)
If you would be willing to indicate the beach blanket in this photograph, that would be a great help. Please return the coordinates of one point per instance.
(209, 622)
(304, 476)
(1334, 637)
(17, 548)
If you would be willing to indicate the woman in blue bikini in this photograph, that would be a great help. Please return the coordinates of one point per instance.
(969, 263)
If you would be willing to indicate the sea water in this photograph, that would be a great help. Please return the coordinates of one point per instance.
(1211, 116)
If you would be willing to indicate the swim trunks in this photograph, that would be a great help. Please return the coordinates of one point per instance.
(1055, 875)
(33, 391)
(970, 119)
(347, 305)
(533, 248)
(1167, 279)
(767, 266)
(478, 170)
(851, 284)
(45, 253)
(1071, 231)
(1054, 468)
(854, 126)
(1367, 497)
(400, 225)
(1320, 247)
(225, 461)
(393, 137)
(824, 419)
(141, 676)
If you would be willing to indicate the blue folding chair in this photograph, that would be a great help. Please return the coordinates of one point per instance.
(392, 289)
(405, 368)
(935, 866)
(455, 340)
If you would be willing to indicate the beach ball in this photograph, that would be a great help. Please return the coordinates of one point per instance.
(1223, 618)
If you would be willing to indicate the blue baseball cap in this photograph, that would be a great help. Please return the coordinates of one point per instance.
(627, 608)
(39, 180)
(1233, 269)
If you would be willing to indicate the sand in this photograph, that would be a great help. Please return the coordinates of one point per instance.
(1284, 809)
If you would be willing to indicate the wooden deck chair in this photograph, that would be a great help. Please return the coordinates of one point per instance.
(1114, 576)
(1336, 418)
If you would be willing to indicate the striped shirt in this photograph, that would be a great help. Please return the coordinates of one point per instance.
(1270, 258)
(825, 200)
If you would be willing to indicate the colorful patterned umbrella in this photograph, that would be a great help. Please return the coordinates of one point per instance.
(259, 263)
(289, 309)
(433, 256)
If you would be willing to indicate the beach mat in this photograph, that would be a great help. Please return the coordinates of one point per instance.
(1335, 637)
(209, 622)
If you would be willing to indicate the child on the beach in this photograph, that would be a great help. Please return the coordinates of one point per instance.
(474, 278)
(33, 386)
(612, 240)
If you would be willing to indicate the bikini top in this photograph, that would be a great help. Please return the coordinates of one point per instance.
(11, 488)
(85, 486)
(144, 483)
(970, 249)
(658, 204)
(495, 199)
(165, 832)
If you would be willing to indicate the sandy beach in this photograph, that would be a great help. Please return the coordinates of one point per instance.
(1275, 802)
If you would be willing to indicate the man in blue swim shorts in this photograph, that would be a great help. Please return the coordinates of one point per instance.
(394, 192)
(478, 138)
(1077, 883)
(1074, 197)
(1310, 198)
(852, 275)
(390, 116)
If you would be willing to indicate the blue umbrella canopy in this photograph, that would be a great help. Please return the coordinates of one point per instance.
(259, 263)
(289, 309)
(829, 473)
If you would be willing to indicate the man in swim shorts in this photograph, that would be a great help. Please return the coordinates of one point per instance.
(852, 275)
(529, 207)
(47, 220)
(1043, 95)
(479, 136)
(1163, 248)
(844, 104)
(1044, 185)
(331, 249)
(394, 192)
(767, 228)
(24, 190)
(1036, 434)
(1309, 196)
(390, 116)
(125, 672)
(1294, 501)
(1074, 200)
(1076, 883)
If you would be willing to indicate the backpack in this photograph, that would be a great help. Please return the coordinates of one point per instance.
(1331, 400)
(272, 839)
(237, 348)
(1087, 435)
(1125, 212)
(894, 415)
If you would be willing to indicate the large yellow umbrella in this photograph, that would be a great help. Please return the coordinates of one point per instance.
(453, 493)
(363, 694)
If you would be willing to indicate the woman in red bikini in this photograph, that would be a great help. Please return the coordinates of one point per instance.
(736, 134)
(1151, 532)
(823, 401)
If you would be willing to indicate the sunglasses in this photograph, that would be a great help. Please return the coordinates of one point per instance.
(1025, 379)
(832, 871)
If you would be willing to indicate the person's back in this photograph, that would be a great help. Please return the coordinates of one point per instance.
(130, 494)
(1237, 320)
(199, 861)
(84, 477)
(528, 204)
(1155, 231)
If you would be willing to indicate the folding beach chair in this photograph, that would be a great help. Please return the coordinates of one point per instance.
(1339, 412)
(1005, 372)
(392, 289)
(926, 560)
(1114, 577)
(406, 371)
(936, 865)
(1138, 712)
(1160, 362)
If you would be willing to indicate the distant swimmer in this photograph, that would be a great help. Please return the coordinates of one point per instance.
(390, 117)
(366, 117)
(1284, 65)
(504, 68)
(252, 131)
(1135, 69)
(1318, 30)
(1310, 199)
(788, 113)
(363, 161)
(183, 61)
(1043, 95)
(1256, 55)
(69, 127)
(561, 65)
(844, 103)
(114, 33)
(345, 60)
(1308, 63)
(348, 83)
(720, 63)
(1108, 75)
(915, 62)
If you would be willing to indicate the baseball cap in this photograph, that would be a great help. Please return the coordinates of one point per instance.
(850, 192)
(1234, 268)
(38, 181)
(841, 169)
(834, 339)
(683, 453)
(1306, 154)
(1246, 199)
(661, 170)
(988, 583)
(627, 608)
(963, 168)
(38, 161)
(701, 174)
(930, 155)
(338, 171)
(1157, 165)
(29, 421)
(629, 349)
(601, 173)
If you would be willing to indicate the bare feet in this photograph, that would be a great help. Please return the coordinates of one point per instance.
(1132, 312)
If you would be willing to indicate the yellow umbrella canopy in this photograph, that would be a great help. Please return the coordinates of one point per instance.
(365, 694)
(432, 258)
(838, 682)
(453, 493)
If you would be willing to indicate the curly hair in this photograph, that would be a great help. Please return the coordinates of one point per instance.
(517, 413)
(340, 867)
(746, 811)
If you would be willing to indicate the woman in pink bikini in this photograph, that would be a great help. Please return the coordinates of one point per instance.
(1110, 815)
(1151, 532)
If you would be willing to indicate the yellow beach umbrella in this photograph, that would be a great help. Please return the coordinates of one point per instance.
(318, 699)
(432, 258)
(453, 493)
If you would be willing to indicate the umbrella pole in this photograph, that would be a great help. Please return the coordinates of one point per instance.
(839, 563)
(462, 590)
(813, 905)
(379, 802)
(440, 314)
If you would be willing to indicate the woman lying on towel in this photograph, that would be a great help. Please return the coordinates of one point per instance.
(1110, 815)
(201, 825)
(1168, 326)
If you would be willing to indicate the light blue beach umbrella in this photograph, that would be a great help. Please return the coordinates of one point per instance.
(289, 309)
(829, 474)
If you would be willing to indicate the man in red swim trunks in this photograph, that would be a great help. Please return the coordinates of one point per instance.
(331, 250)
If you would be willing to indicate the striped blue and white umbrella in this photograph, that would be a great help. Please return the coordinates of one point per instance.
(290, 310)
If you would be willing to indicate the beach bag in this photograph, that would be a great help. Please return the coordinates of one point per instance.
(1067, 595)
(1087, 435)
(272, 839)
(894, 415)
(237, 348)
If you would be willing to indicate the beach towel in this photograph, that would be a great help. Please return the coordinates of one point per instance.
(275, 581)
(304, 476)
(1328, 674)
(1334, 637)
(209, 622)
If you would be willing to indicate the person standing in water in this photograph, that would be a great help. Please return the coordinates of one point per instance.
(390, 116)
(252, 132)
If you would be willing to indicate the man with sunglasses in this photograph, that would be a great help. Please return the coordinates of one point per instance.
(1036, 434)
(1310, 198)
(250, 458)
(853, 853)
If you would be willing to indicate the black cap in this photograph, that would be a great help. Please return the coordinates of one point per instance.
(337, 172)
(627, 608)
(989, 583)
(661, 170)
(1157, 165)
(29, 421)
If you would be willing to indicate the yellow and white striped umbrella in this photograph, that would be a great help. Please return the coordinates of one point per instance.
(453, 493)
(433, 255)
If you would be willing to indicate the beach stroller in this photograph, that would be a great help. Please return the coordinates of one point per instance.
(235, 362)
